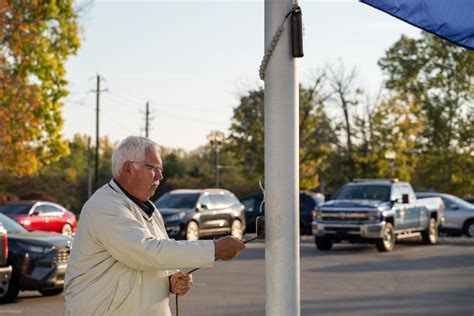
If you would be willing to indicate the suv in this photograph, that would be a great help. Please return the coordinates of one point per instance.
(191, 214)
(377, 211)
(308, 204)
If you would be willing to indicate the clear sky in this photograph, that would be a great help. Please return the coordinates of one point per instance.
(193, 59)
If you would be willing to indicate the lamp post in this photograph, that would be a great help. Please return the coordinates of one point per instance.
(216, 138)
(390, 155)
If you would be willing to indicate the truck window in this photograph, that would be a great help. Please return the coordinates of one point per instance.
(364, 192)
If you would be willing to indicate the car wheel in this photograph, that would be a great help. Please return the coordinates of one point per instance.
(387, 242)
(430, 235)
(323, 243)
(236, 229)
(66, 230)
(192, 231)
(9, 289)
(469, 228)
(51, 292)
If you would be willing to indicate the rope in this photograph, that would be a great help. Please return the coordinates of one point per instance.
(273, 43)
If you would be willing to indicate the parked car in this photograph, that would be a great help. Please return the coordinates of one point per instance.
(192, 214)
(38, 260)
(41, 215)
(308, 203)
(377, 211)
(5, 267)
(459, 214)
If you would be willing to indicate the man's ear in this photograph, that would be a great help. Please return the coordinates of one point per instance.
(127, 168)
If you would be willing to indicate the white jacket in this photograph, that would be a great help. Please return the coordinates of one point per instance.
(120, 262)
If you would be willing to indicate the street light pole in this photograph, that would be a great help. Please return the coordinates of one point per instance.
(216, 138)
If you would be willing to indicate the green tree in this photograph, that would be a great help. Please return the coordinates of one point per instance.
(437, 77)
(36, 37)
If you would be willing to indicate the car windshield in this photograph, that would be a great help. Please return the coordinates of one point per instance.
(364, 192)
(15, 209)
(11, 226)
(177, 200)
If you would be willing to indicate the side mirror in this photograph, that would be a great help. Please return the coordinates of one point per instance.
(35, 213)
(405, 199)
(203, 207)
(453, 206)
(327, 196)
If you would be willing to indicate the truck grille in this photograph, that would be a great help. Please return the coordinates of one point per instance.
(345, 216)
(62, 256)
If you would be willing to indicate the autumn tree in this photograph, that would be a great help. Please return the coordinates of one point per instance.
(36, 37)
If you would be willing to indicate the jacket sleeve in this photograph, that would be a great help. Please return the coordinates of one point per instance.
(124, 237)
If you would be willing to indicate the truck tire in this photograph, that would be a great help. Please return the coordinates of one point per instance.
(387, 242)
(323, 243)
(469, 228)
(430, 234)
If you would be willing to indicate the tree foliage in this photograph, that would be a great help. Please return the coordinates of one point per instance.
(36, 37)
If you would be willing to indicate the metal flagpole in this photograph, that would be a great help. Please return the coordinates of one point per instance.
(282, 263)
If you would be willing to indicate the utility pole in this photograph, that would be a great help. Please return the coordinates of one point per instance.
(216, 138)
(89, 158)
(147, 115)
(96, 171)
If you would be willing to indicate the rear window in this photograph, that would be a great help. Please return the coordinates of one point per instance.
(11, 226)
(177, 200)
(364, 192)
(15, 209)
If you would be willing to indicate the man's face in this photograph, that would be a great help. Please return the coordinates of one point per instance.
(145, 175)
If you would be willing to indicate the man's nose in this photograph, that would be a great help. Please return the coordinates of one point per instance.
(158, 176)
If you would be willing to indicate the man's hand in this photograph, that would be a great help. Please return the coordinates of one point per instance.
(181, 283)
(228, 247)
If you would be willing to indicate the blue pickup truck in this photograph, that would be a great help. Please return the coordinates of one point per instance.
(379, 212)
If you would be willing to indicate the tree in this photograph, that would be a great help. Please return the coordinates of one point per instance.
(437, 77)
(36, 37)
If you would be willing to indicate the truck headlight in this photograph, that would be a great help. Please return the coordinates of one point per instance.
(374, 215)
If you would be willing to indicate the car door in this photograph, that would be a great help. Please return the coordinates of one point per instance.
(205, 212)
(54, 220)
(400, 208)
(37, 218)
(412, 216)
(221, 211)
(453, 218)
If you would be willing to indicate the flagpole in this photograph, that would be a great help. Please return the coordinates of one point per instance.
(282, 263)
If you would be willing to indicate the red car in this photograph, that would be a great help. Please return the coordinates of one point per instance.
(41, 215)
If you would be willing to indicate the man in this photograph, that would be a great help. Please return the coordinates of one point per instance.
(122, 261)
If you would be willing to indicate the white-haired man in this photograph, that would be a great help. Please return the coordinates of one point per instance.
(122, 261)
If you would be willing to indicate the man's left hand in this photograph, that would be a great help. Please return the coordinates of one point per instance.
(181, 283)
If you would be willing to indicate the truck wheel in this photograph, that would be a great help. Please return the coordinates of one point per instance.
(430, 235)
(323, 243)
(387, 242)
(9, 289)
(469, 228)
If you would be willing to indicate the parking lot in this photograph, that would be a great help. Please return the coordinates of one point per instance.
(350, 280)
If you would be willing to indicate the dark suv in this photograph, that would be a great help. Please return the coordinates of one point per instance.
(191, 214)
(308, 203)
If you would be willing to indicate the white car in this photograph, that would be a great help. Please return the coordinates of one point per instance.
(458, 214)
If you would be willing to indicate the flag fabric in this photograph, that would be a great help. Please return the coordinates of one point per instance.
(452, 20)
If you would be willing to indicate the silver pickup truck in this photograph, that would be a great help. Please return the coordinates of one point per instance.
(379, 212)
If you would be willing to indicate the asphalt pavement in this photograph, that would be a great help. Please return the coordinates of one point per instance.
(414, 279)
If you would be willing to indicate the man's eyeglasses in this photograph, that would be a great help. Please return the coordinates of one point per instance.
(155, 169)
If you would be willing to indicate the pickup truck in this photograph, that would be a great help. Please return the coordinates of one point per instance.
(377, 211)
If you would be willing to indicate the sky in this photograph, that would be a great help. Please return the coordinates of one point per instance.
(192, 60)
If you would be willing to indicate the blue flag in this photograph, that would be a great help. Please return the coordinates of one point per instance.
(452, 20)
